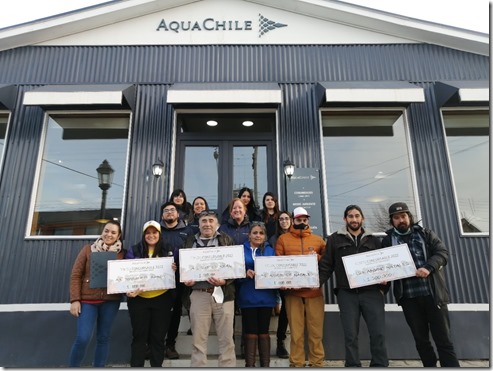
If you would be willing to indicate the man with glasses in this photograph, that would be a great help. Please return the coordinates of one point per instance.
(174, 232)
(203, 305)
(367, 301)
(304, 305)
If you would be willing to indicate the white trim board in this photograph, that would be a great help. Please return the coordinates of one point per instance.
(54, 307)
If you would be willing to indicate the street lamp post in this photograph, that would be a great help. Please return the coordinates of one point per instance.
(105, 178)
(288, 172)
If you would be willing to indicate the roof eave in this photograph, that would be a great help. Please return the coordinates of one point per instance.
(330, 10)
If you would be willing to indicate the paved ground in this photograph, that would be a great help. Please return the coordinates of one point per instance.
(277, 362)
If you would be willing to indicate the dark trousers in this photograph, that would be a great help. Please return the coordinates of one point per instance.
(282, 324)
(423, 317)
(150, 320)
(256, 320)
(370, 304)
(175, 315)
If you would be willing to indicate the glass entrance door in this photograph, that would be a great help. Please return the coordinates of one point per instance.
(216, 161)
(218, 170)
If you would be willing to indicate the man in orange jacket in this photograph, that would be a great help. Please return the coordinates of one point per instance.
(304, 305)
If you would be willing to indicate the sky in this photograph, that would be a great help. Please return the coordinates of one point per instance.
(468, 14)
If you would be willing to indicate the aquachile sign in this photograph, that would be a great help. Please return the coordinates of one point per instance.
(210, 24)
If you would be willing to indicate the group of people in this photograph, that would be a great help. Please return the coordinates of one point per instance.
(155, 315)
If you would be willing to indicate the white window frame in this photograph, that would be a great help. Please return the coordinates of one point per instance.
(4, 150)
(34, 192)
(451, 170)
(417, 213)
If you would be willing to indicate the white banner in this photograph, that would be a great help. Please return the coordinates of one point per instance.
(198, 264)
(147, 274)
(290, 271)
(382, 265)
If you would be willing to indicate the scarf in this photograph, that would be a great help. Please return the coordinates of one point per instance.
(99, 246)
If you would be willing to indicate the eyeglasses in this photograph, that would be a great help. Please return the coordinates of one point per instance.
(207, 213)
(168, 211)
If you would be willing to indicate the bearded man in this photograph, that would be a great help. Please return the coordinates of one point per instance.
(366, 301)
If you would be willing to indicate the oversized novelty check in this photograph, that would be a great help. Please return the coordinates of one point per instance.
(148, 274)
(387, 264)
(198, 264)
(290, 271)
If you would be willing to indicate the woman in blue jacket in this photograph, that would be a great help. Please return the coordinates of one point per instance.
(256, 304)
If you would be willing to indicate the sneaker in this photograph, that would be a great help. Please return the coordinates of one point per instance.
(171, 352)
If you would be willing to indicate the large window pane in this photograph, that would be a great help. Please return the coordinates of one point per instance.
(201, 173)
(250, 170)
(367, 163)
(69, 198)
(468, 147)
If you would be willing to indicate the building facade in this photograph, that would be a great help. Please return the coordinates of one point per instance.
(370, 107)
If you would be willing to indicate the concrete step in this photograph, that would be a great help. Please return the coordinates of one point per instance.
(184, 341)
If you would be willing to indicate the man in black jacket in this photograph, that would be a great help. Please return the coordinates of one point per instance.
(423, 298)
(368, 301)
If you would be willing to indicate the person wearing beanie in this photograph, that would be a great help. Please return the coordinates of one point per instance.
(423, 298)
(366, 301)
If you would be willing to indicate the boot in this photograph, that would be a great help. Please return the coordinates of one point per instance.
(264, 350)
(250, 342)
(281, 350)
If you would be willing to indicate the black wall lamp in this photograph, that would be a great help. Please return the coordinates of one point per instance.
(289, 168)
(157, 168)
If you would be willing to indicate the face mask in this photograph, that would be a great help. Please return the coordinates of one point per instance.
(299, 226)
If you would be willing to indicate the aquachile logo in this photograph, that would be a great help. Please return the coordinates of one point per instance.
(210, 24)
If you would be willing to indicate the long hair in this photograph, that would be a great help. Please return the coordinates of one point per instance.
(183, 207)
(203, 199)
(158, 249)
(265, 212)
(279, 230)
(252, 206)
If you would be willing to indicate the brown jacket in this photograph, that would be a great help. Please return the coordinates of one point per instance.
(79, 279)
(301, 242)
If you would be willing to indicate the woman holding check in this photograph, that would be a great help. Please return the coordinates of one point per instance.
(256, 304)
(150, 311)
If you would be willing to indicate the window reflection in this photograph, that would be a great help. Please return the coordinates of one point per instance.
(4, 119)
(201, 173)
(250, 170)
(68, 196)
(367, 163)
(467, 135)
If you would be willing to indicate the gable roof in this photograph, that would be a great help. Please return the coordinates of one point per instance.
(46, 30)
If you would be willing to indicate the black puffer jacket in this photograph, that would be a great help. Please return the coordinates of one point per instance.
(436, 258)
(341, 244)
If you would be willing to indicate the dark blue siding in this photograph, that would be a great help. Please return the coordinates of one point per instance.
(37, 271)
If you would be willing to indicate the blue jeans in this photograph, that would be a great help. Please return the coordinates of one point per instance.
(101, 315)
